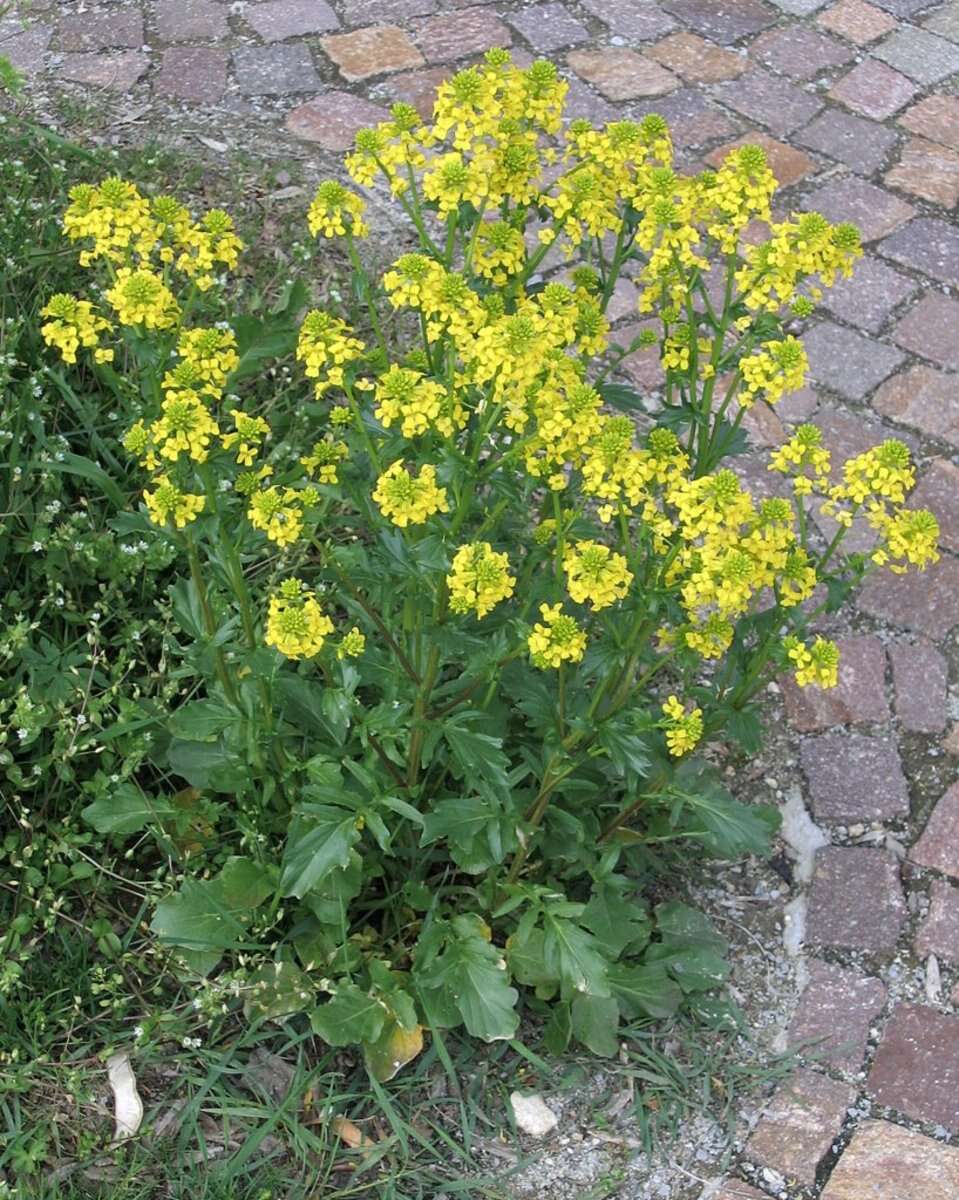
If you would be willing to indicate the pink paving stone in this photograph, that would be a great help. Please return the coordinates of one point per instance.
(119, 28)
(788, 164)
(638, 20)
(924, 398)
(928, 170)
(333, 118)
(854, 778)
(848, 362)
(875, 211)
(415, 87)
(386, 12)
(27, 51)
(371, 51)
(916, 1068)
(870, 295)
(920, 678)
(191, 20)
(448, 36)
(834, 1014)
(622, 74)
(923, 601)
(886, 1162)
(724, 22)
(548, 27)
(936, 118)
(799, 52)
(938, 845)
(193, 73)
(855, 900)
(860, 144)
(939, 932)
(931, 329)
(860, 694)
(692, 120)
(275, 20)
(927, 244)
(938, 490)
(856, 20)
(582, 101)
(118, 71)
(697, 60)
(800, 1124)
(768, 100)
(874, 90)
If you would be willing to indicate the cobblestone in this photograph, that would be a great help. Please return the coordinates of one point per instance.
(939, 932)
(638, 22)
(372, 51)
(622, 74)
(726, 22)
(549, 27)
(920, 677)
(835, 1013)
(848, 362)
(855, 900)
(936, 118)
(859, 695)
(919, 54)
(788, 164)
(937, 845)
(276, 20)
(927, 244)
(928, 170)
(916, 1068)
(768, 100)
(860, 144)
(118, 71)
(799, 1125)
(333, 119)
(449, 36)
(799, 52)
(78, 32)
(697, 60)
(923, 398)
(191, 20)
(926, 602)
(875, 211)
(886, 1162)
(193, 73)
(874, 90)
(858, 21)
(930, 329)
(277, 70)
(872, 293)
(854, 778)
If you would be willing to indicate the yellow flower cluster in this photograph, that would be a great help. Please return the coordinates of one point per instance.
(352, 644)
(247, 436)
(557, 639)
(817, 664)
(417, 404)
(479, 580)
(805, 246)
(142, 298)
(325, 347)
(279, 512)
(324, 459)
(683, 729)
(336, 210)
(406, 499)
(168, 503)
(296, 624)
(596, 575)
(777, 368)
(73, 323)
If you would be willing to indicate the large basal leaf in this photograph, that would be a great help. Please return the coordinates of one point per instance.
(319, 841)
(392, 1050)
(573, 956)
(618, 920)
(201, 720)
(476, 755)
(127, 810)
(644, 990)
(277, 990)
(473, 977)
(350, 1017)
(595, 1023)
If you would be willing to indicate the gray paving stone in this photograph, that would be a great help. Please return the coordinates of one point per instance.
(724, 22)
(861, 144)
(276, 20)
(548, 27)
(848, 362)
(875, 211)
(768, 100)
(927, 244)
(921, 55)
(920, 676)
(277, 70)
(638, 20)
(870, 295)
(834, 1015)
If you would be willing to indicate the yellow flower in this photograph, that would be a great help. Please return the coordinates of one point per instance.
(683, 730)
(249, 433)
(184, 426)
(208, 356)
(817, 664)
(480, 579)
(168, 503)
(352, 645)
(278, 512)
(499, 252)
(595, 575)
(408, 500)
(772, 371)
(325, 346)
(557, 640)
(334, 210)
(296, 625)
(324, 459)
(142, 298)
(73, 323)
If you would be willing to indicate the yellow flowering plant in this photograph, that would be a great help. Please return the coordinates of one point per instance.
(454, 649)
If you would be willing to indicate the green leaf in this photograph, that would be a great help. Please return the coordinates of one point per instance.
(197, 918)
(277, 990)
(558, 1029)
(681, 925)
(595, 1023)
(127, 810)
(201, 721)
(573, 956)
(471, 974)
(526, 955)
(478, 832)
(617, 921)
(350, 1017)
(622, 397)
(628, 751)
(74, 464)
(744, 727)
(476, 755)
(393, 1049)
(319, 841)
(244, 884)
(211, 765)
(644, 990)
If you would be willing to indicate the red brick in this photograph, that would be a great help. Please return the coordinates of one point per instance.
(118, 71)
(874, 90)
(936, 118)
(834, 1015)
(856, 20)
(332, 119)
(886, 1162)
(854, 777)
(939, 932)
(938, 845)
(916, 1068)
(855, 901)
(788, 164)
(101, 31)
(920, 677)
(924, 398)
(191, 20)
(860, 694)
(800, 1124)
(449, 36)
(622, 74)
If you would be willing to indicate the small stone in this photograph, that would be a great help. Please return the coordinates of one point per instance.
(938, 846)
(860, 694)
(118, 72)
(448, 36)
(927, 244)
(950, 743)
(928, 170)
(800, 1124)
(191, 20)
(916, 1068)
(931, 328)
(788, 164)
(919, 54)
(193, 73)
(860, 144)
(870, 295)
(799, 52)
(636, 20)
(332, 119)
(886, 1162)
(923, 601)
(768, 100)
(856, 20)
(622, 74)
(854, 778)
(846, 361)
(101, 31)
(371, 51)
(415, 87)
(939, 932)
(533, 1115)
(548, 27)
(875, 211)
(724, 23)
(697, 60)
(920, 677)
(276, 70)
(923, 398)
(834, 1015)
(276, 20)
(936, 118)
(855, 901)
(873, 89)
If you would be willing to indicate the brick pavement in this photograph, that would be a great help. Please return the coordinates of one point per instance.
(856, 104)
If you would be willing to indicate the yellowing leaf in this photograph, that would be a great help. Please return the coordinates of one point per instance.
(392, 1050)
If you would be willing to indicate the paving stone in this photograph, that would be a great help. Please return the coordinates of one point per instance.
(945, 21)
(927, 244)
(119, 28)
(886, 1162)
(799, 52)
(922, 601)
(374, 50)
(854, 778)
(904, 8)
(276, 20)
(333, 118)
(855, 900)
(939, 932)
(834, 1014)
(26, 51)
(385, 12)
(191, 20)
(869, 296)
(582, 101)
(724, 22)
(779, 105)
(873, 210)
(924, 398)
(936, 118)
(938, 845)
(873, 89)
(697, 60)
(799, 8)
(931, 329)
(622, 74)
(856, 20)
(799, 1125)
(916, 1068)
(448, 36)
(860, 144)
(414, 87)
(693, 121)
(928, 170)
(938, 490)
(118, 71)
(919, 54)
(860, 694)
(920, 678)
(275, 70)
(788, 164)
(846, 361)
(193, 73)
(637, 20)
(548, 27)
(798, 406)
(642, 366)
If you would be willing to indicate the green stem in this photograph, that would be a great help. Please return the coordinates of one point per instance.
(209, 620)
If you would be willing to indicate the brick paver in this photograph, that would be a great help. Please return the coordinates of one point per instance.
(856, 103)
